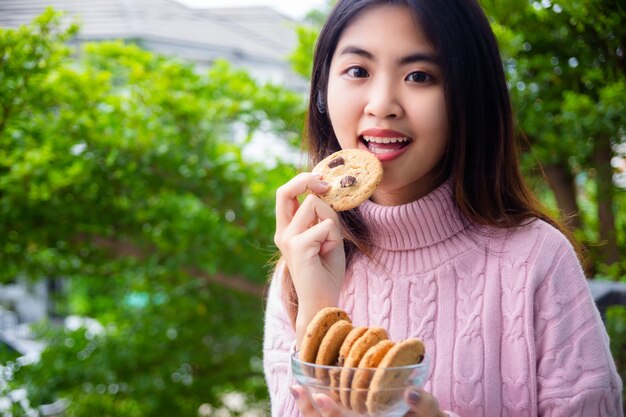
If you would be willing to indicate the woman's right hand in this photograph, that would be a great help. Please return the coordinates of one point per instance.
(309, 238)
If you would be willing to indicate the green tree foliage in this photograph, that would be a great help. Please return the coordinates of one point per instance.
(302, 56)
(146, 144)
(120, 175)
(567, 72)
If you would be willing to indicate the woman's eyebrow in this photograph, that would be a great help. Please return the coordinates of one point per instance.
(405, 60)
(355, 50)
(419, 57)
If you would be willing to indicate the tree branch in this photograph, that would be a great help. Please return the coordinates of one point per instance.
(124, 248)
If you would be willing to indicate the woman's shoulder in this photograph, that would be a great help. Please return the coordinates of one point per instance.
(533, 252)
(543, 230)
(529, 242)
(540, 228)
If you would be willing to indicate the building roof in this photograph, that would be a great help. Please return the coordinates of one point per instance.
(255, 34)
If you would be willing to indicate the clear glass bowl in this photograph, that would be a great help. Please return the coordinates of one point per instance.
(361, 392)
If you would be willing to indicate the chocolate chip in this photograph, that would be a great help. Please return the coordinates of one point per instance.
(336, 162)
(347, 181)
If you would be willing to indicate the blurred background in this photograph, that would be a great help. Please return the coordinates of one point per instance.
(141, 143)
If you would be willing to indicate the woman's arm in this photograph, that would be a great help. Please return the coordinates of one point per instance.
(278, 344)
(576, 374)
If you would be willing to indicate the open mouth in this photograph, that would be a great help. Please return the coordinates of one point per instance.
(383, 146)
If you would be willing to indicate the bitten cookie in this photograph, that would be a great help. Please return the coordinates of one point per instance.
(371, 337)
(353, 175)
(364, 374)
(316, 330)
(386, 385)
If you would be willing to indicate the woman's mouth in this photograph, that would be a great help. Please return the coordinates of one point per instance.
(385, 148)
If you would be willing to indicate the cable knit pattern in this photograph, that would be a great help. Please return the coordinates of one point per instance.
(468, 369)
(379, 300)
(423, 295)
(506, 316)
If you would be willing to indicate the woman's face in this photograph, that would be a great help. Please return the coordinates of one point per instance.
(385, 95)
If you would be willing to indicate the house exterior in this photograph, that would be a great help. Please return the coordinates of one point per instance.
(258, 39)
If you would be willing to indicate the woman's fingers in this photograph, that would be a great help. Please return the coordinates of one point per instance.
(326, 406)
(312, 211)
(316, 240)
(287, 196)
(313, 233)
(303, 403)
(422, 403)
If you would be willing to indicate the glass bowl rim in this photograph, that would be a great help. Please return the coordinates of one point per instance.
(296, 360)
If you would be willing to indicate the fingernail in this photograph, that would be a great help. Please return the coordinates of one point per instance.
(413, 397)
(324, 184)
(294, 392)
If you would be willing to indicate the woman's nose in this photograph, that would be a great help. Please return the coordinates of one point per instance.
(383, 101)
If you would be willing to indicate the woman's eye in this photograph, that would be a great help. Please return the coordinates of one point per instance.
(357, 72)
(419, 77)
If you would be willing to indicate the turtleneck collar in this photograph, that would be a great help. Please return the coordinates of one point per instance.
(421, 223)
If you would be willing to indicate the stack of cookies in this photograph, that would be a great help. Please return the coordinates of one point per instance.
(356, 359)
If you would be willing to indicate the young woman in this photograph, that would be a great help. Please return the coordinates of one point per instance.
(452, 247)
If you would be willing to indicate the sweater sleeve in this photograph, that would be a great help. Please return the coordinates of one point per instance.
(576, 374)
(278, 345)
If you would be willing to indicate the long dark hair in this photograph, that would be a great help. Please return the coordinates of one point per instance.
(482, 153)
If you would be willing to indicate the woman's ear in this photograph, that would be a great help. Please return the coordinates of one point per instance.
(321, 103)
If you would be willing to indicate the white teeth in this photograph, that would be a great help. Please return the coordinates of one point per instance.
(377, 139)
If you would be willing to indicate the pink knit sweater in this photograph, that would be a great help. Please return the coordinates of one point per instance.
(506, 315)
